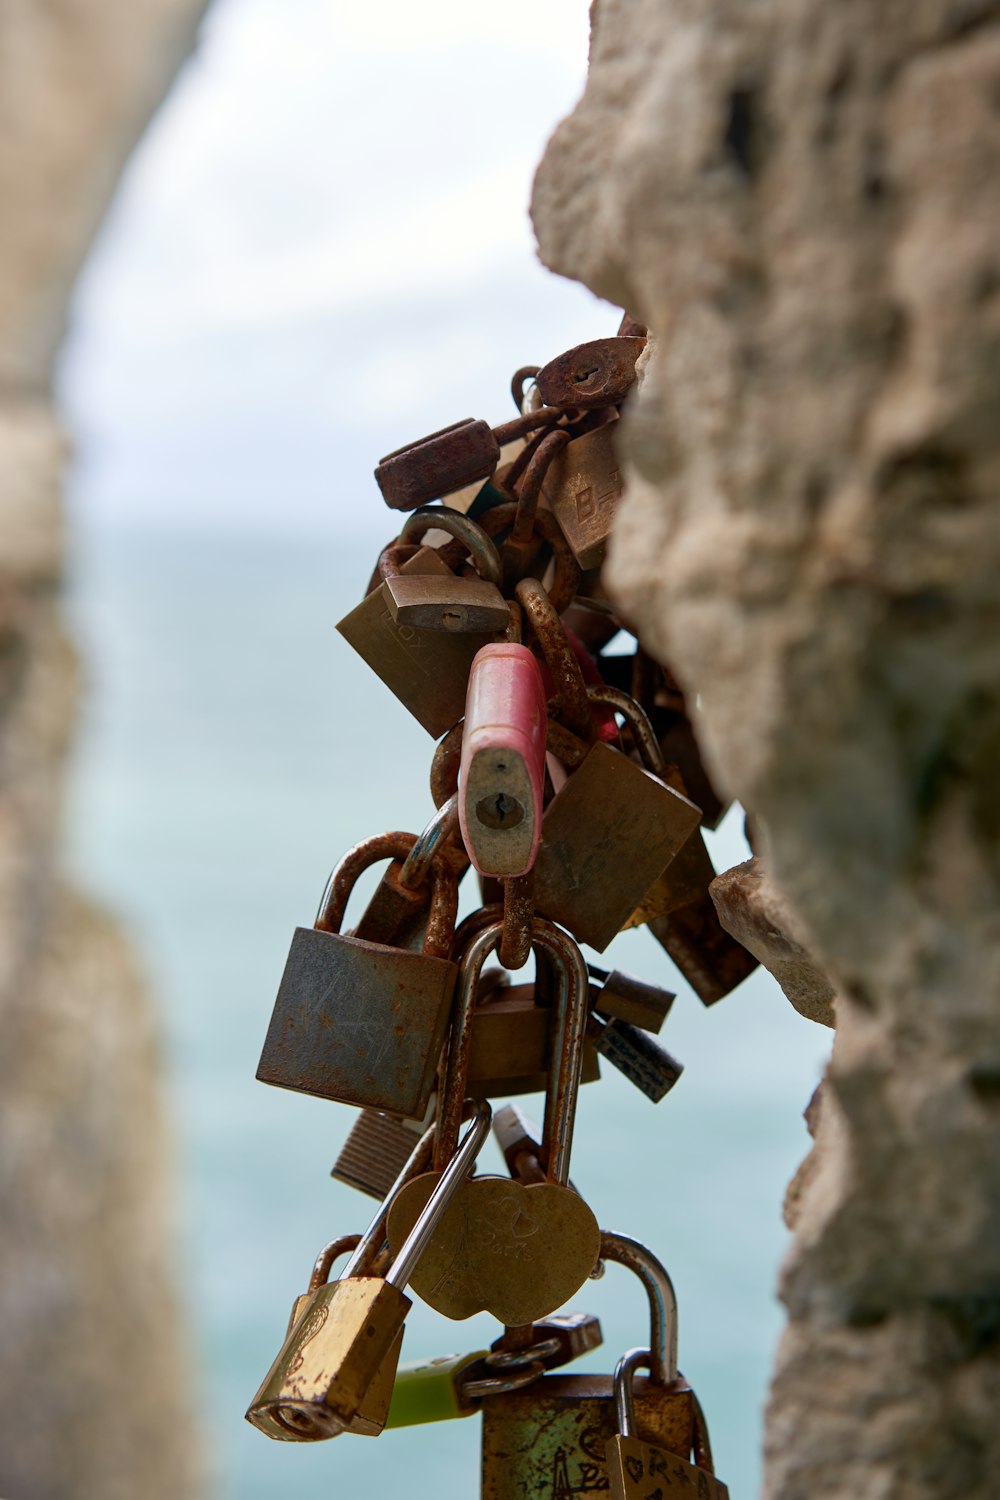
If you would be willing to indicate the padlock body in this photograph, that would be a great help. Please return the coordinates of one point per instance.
(426, 669)
(548, 1441)
(503, 760)
(582, 489)
(373, 1412)
(712, 962)
(637, 1469)
(430, 602)
(510, 1046)
(376, 1150)
(623, 997)
(358, 1022)
(606, 836)
(342, 1346)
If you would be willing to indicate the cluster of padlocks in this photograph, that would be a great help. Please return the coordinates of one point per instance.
(487, 619)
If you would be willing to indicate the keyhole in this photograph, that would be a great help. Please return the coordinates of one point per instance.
(584, 372)
(499, 811)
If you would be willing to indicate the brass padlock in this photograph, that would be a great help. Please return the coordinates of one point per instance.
(635, 1463)
(548, 1441)
(609, 832)
(583, 488)
(371, 1414)
(426, 669)
(512, 1249)
(350, 1330)
(361, 1022)
(453, 603)
(510, 1052)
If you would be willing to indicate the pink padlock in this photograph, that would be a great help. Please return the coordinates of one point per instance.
(503, 760)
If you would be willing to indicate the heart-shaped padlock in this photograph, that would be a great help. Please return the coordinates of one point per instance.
(513, 1250)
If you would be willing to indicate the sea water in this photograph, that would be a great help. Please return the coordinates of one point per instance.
(232, 747)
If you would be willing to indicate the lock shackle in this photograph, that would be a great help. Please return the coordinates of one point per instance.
(444, 889)
(370, 1244)
(566, 570)
(427, 845)
(638, 721)
(634, 1359)
(530, 484)
(454, 1175)
(445, 764)
(326, 1257)
(472, 536)
(571, 1010)
(637, 1359)
(571, 690)
(655, 1277)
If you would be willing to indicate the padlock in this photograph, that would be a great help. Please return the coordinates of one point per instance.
(350, 1329)
(503, 760)
(426, 669)
(548, 1442)
(370, 1417)
(623, 997)
(510, 1050)
(447, 460)
(686, 879)
(515, 1250)
(642, 1060)
(377, 1148)
(583, 488)
(435, 601)
(608, 833)
(712, 962)
(361, 1022)
(398, 908)
(598, 373)
(635, 1464)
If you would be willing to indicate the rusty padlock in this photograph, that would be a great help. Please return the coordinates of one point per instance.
(362, 1022)
(598, 373)
(448, 460)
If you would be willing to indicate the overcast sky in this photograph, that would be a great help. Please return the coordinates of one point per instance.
(320, 251)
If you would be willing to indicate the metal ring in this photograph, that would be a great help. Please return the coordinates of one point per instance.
(428, 844)
(498, 1385)
(560, 658)
(472, 536)
(513, 1359)
(444, 889)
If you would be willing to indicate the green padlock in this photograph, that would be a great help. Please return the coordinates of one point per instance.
(430, 1390)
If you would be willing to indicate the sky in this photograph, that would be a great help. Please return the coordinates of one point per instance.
(321, 250)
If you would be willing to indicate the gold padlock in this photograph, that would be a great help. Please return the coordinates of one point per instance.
(348, 1333)
(635, 1463)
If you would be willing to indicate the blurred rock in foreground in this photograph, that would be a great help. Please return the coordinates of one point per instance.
(800, 200)
(95, 1386)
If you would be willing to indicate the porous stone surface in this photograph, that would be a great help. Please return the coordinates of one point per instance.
(800, 199)
(756, 914)
(95, 1386)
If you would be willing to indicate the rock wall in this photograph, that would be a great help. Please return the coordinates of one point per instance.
(95, 1387)
(800, 199)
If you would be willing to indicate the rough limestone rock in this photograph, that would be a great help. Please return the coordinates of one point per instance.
(800, 199)
(93, 1371)
(757, 915)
